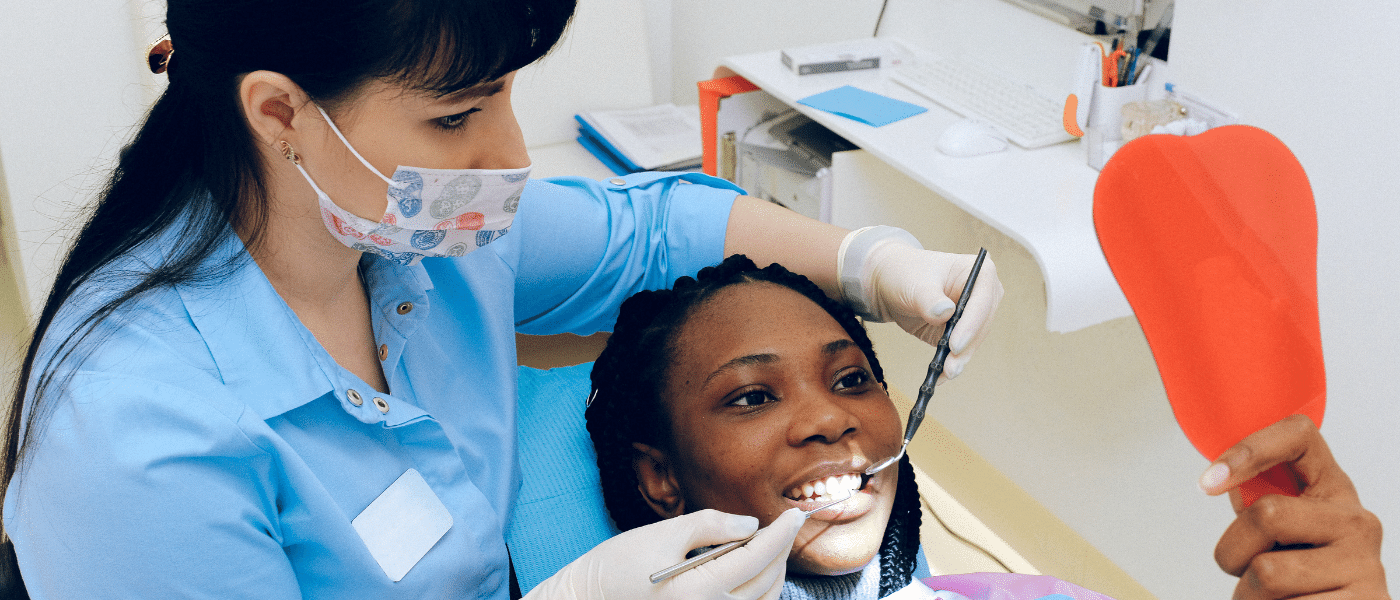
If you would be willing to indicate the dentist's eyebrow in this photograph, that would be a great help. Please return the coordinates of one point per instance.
(480, 90)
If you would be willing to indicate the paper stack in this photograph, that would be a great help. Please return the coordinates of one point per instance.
(654, 138)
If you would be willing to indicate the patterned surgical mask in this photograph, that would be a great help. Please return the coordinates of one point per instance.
(431, 212)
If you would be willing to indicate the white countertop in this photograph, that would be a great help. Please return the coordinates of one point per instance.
(1042, 198)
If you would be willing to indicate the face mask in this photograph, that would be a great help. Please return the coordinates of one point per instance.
(431, 212)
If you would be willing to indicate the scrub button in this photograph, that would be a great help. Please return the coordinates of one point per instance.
(617, 181)
(383, 351)
(354, 397)
(381, 405)
(404, 307)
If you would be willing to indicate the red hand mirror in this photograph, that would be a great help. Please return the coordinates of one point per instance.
(1213, 239)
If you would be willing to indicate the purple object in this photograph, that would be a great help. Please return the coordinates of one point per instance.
(1010, 586)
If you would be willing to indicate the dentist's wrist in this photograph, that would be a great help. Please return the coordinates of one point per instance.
(855, 267)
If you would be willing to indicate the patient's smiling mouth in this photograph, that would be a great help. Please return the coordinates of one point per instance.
(826, 489)
(854, 486)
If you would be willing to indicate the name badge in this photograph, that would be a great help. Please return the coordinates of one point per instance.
(402, 524)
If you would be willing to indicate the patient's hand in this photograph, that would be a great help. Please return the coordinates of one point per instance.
(1336, 543)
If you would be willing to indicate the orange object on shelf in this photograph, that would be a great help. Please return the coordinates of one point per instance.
(710, 93)
(1213, 239)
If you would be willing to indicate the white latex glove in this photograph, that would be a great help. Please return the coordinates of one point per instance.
(886, 275)
(619, 569)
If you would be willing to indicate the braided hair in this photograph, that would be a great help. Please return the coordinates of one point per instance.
(628, 378)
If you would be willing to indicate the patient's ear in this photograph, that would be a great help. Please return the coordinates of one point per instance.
(657, 481)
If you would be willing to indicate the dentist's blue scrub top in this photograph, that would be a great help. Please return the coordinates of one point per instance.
(210, 447)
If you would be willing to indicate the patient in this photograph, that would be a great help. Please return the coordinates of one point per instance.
(748, 391)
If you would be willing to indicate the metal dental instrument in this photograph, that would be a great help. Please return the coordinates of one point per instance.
(935, 369)
(723, 549)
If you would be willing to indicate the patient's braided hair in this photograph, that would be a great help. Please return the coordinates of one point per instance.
(628, 378)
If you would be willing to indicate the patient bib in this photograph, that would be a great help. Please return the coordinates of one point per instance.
(402, 524)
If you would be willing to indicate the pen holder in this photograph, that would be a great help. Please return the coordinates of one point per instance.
(1104, 134)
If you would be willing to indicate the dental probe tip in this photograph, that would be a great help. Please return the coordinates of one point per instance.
(849, 494)
(882, 465)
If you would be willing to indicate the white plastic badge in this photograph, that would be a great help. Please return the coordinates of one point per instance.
(402, 524)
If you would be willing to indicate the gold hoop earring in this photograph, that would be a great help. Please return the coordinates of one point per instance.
(288, 152)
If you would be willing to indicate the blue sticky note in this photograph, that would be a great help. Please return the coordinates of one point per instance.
(867, 107)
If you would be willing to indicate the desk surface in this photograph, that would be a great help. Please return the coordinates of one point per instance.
(1042, 198)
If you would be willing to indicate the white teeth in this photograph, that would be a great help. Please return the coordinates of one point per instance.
(830, 488)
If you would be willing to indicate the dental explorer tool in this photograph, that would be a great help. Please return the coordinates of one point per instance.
(723, 549)
(935, 368)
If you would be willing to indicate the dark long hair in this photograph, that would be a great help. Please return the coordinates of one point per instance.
(629, 376)
(195, 162)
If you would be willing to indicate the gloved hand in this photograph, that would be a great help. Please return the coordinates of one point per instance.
(619, 569)
(886, 275)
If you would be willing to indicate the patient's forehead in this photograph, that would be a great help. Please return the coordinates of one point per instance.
(747, 319)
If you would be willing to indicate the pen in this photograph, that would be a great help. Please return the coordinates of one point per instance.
(1129, 74)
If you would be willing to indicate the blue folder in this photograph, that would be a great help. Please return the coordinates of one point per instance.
(600, 147)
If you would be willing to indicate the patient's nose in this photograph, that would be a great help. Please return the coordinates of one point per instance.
(822, 419)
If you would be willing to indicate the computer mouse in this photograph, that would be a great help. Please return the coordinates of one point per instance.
(970, 137)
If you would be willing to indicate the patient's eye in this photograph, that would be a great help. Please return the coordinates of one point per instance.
(852, 379)
(753, 398)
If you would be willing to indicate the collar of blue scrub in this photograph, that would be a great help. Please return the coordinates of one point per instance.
(261, 349)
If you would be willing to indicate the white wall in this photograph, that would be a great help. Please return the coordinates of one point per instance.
(72, 83)
(705, 31)
(604, 61)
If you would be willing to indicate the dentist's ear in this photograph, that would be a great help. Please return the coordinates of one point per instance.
(657, 481)
(270, 102)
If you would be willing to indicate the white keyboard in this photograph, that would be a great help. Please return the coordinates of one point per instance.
(1026, 116)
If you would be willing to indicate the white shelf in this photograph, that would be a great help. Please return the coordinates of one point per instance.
(1042, 198)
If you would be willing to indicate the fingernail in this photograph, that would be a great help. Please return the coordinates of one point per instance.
(943, 307)
(1214, 476)
(959, 343)
(953, 370)
(741, 525)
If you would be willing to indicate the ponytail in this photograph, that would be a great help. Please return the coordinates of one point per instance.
(162, 177)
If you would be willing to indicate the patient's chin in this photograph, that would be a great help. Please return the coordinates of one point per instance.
(836, 549)
(841, 562)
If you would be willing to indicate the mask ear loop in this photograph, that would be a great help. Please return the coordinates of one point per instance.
(392, 183)
(291, 154)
